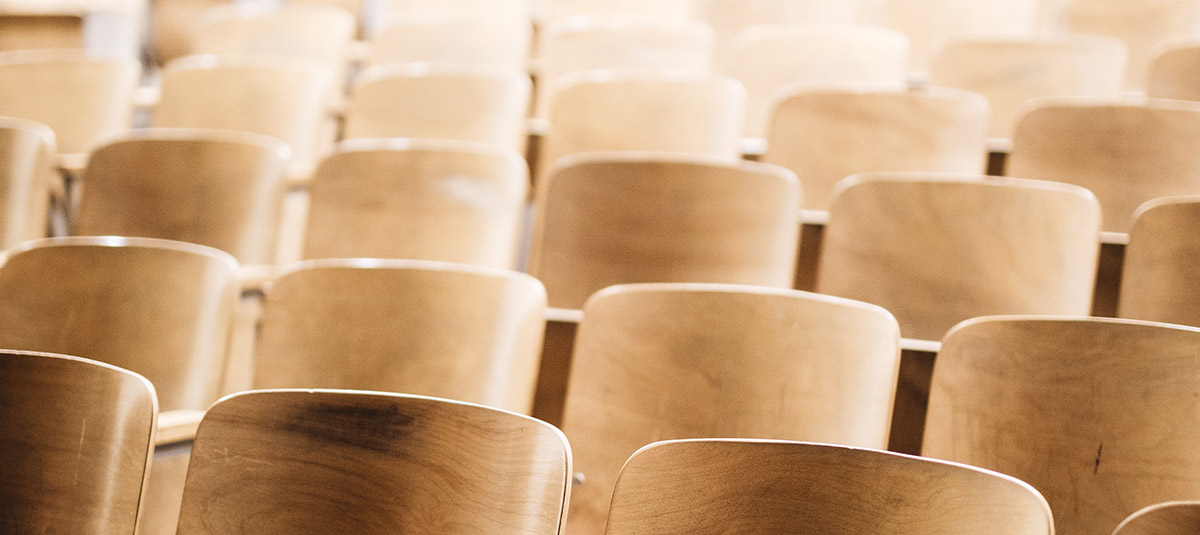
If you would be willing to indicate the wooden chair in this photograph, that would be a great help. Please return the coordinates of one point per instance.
(430, 328)
(925, 22)
(82, 98)
(1158, 281)
(422, 199)
(1010, 72)
(634, 44)
(602, 111)
(372, 463)
(769, 58)
(1172, 70)
(302, 30)
(41, 31)
(462, 102)
(826, 135)
(173, 26)
(285, 98)
(729, 18)
(666, 361)
(474, 38)
(1125, 152)
(221, 189)
(742, 486)
(489, 7)
(76, 441)
(1169, 518)
(159, 308)
(623, 218)
(1095, 413)
(1140, 25)
(27, 177)
(936, 250)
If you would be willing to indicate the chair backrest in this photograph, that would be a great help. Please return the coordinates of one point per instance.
(327, 461)
(42, 31)
(666, 361)
(925, 22)
(1098, 414)
(1010, 72)
(617, 219)
(285, 98)
(1140, 25)
(473, 38)
(430, 328)
(619, 43)
(1168, 518)
(161, 309)
(419, 199)
(1159, 280)
(76, 444)
(1173, 70)
(936, 250)
(769, 58)
(730, 17)
(826, 135)
(462, 102)
(556, 10)
(1125, 153)
(221, 189)
(303, 30)
(81, 98)
(600, 111)
(742, 486)
(26, 174)
(173, 27)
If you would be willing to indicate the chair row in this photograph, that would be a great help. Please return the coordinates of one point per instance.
(1057, 402)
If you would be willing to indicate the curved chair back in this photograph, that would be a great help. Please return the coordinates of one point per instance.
(1096, 413)
(1140, 25)
(772, 57)
(1009, 72)
(82, 98)
(925, 22)
(665, 361)
(604, 111)
(1125, 153)
(936, 250)
(460, 102)
(285, 98)
(429, 328)
(1158, 280)
(617, 219)
(221, 189)
(825, 135)
(731, 17)
(76, 441)
(418, 199)
(319, 32)
(1168, 518)
(161, 309)
(27, 176)
(742, 486)
(1172, 71)
(289, 461)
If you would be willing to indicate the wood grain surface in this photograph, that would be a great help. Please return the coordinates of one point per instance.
(1169, 518)
(1158, 279)
(26, 179)
(299, 462)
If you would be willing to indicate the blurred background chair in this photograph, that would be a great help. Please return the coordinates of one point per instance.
(693, 486)
(457, 37)
(1158, 280)
(420, 199)
(825, 135)
(221, 189)
(665, 361)
(925, 22)
(27, 178)
(1095, 413)
(1173, 70)
(1125, 152)
(625, 218)
(76, 444)
(296, 30)
(430, 328)
(370, 463)
(937, 249)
